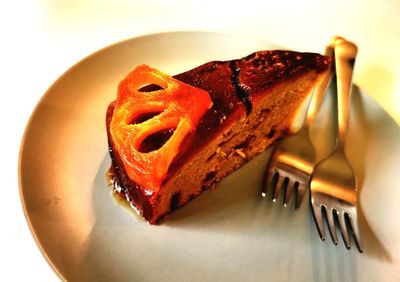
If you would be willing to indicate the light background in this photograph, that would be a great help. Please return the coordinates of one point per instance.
(40, 39)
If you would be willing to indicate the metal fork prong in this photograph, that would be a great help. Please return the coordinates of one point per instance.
(331, 225)
(278, 187)
(301, 189)
(317, 212)
(356, 232)
(268, 182)
(290, 188)
(343, 229)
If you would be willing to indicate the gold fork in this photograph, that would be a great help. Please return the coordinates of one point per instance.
(333, 184)
(294, 157)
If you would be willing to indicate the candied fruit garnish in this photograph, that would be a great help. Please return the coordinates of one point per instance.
(151, 104)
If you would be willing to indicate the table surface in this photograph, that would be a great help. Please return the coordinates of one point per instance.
(42, 39)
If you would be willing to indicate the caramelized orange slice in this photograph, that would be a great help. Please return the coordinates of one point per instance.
(153, 114)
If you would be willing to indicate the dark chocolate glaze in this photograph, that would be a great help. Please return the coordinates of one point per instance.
(265, 69)
(241, 91)
(217, 79)
(231, 85)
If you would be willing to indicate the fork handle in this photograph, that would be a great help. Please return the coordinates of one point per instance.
(319, 91)
(321, 88)
(345, 56)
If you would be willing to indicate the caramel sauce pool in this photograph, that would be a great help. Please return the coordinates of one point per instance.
(119, 198)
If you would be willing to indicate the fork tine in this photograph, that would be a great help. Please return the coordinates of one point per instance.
(343, 229)
(301, 189)
(317, 212)
(356, 232)
(289, 190)
(331, 225)
(268, 181)
(278, 187)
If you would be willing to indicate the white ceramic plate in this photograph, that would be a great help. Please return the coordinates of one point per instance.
(230, 234)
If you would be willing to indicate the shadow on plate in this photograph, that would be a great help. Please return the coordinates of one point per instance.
(361, 140)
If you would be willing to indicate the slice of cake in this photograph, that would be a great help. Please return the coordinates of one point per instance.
(172, 138)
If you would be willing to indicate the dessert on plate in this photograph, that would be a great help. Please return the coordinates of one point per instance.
(171, 138)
